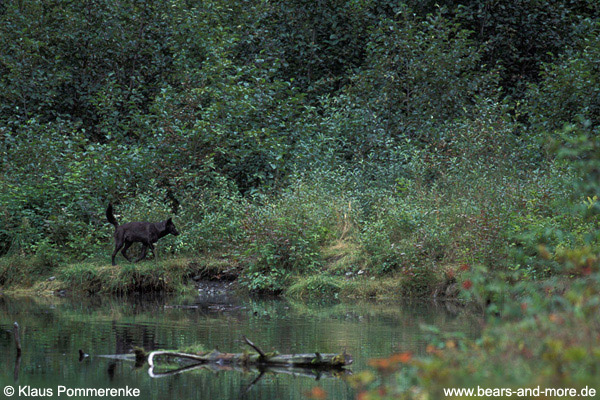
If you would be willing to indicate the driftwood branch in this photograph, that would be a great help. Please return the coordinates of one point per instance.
(307, 360)
(314, 365)
(17, 337)
(18, 346)
(255, 347)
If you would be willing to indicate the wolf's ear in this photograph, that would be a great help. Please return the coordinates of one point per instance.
(170, 221)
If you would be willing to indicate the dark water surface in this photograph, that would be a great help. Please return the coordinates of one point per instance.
(54, 329)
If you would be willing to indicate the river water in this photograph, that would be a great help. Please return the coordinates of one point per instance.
(54, 329)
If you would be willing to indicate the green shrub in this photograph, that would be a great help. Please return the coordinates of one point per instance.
(314, 286)
(211, 220)
(286, 234)
(570, 89)
(389, 237)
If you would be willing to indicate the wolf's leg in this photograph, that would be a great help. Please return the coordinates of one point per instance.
(118, 245)
(124, 251)
(143, 255)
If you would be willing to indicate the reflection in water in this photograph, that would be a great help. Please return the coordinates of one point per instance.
(53, 330)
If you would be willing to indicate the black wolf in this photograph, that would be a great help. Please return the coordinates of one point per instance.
(147, 233)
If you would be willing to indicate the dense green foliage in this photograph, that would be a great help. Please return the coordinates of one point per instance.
(547, 334)
(342, 148)
(396, 139)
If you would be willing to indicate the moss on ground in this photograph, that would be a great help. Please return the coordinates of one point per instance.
(96, 276)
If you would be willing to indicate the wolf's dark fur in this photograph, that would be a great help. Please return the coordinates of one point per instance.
(147, 233)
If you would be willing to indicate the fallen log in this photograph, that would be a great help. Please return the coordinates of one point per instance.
(260, 358)
(17, 338)
(294, 371)
(310, 360)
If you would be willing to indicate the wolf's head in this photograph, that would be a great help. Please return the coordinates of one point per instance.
(171, 227)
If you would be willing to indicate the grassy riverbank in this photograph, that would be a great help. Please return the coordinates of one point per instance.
(24, 275)
(178, 275)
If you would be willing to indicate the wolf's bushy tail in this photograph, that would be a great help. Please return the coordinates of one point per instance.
(110, 216)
